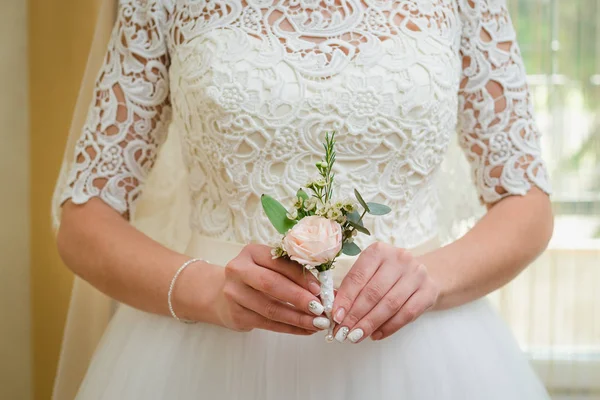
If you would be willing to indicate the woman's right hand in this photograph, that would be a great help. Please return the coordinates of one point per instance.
(272, 294)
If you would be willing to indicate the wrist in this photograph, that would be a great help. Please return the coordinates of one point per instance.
(196, 292)
(435, 270)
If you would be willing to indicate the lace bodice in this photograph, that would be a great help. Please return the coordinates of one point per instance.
(251, 87)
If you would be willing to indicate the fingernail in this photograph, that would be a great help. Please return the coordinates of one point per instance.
(377, 335)
(356, 335)
(315, 307)
(314, 288)
(339, 315)
(321, 322)
(340, 336)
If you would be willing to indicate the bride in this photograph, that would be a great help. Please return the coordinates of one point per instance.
(201, 106)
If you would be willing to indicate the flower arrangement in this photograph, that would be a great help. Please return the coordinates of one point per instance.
(317, 229)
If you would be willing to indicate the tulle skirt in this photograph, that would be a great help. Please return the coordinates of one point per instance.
(463, 353)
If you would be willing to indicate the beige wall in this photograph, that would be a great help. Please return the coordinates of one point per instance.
(60, 33)
(15, 344)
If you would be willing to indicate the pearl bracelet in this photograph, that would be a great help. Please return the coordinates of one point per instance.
(172, 286)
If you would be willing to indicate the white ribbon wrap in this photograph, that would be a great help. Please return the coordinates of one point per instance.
(327, 298)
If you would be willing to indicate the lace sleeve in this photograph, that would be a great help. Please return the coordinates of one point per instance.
(496, 123)
(127, 119)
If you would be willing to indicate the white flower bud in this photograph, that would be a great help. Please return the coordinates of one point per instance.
(334, 213)
(298, 203)
(293, 214)
(277, 251)
(316, 183)
(310, 204)
(349, 205)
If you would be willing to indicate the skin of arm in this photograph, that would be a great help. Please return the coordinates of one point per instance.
(514, 232)
(101, 247)
(252, 291)
(388, 288)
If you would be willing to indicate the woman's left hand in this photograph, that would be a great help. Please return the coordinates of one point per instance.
(385, 289)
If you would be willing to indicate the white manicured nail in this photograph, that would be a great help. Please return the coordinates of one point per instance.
(315, 307)
(321, 322)
(340, 336)
(356, 335)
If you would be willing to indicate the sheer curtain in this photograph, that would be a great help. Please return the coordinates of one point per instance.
(554, 306)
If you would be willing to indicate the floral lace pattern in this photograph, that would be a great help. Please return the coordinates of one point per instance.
(127, 121)
(498, 131)
(255, 84)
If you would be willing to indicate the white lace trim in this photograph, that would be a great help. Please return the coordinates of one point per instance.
(127, 120)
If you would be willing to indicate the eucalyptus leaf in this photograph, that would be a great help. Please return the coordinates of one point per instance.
(277, 214)
(302, 194)
(360, 200)
(378, 209)
(359, 228)
(350, 249)
(354, 216)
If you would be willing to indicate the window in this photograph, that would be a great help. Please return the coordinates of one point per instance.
(554, 306)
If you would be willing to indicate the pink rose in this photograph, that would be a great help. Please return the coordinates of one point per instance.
(313, 241)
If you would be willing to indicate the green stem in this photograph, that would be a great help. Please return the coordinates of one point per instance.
(359, 221)
(361, 217)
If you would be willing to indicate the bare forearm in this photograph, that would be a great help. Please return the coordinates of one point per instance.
(101, 247)
(509, 237)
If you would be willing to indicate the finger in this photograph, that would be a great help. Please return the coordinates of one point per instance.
(385, 309)
(414, 307)
(253, 319)
(274, 326)
(376, 289)
(274, 310)
(261, 255)
(280, 287)
(361, 272)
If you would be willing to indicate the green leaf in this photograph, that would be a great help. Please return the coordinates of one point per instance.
(302, 194)
(350, 249)
(360, 200)
(359, 228)
(354, 216)
(277, 214)
(378, 209)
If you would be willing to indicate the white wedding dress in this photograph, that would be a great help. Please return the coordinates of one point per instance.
(247, 90)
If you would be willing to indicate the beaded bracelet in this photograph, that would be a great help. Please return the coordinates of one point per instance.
(172, 286)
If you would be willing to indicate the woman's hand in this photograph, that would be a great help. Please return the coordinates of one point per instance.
(385, 289)
(273, 294)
